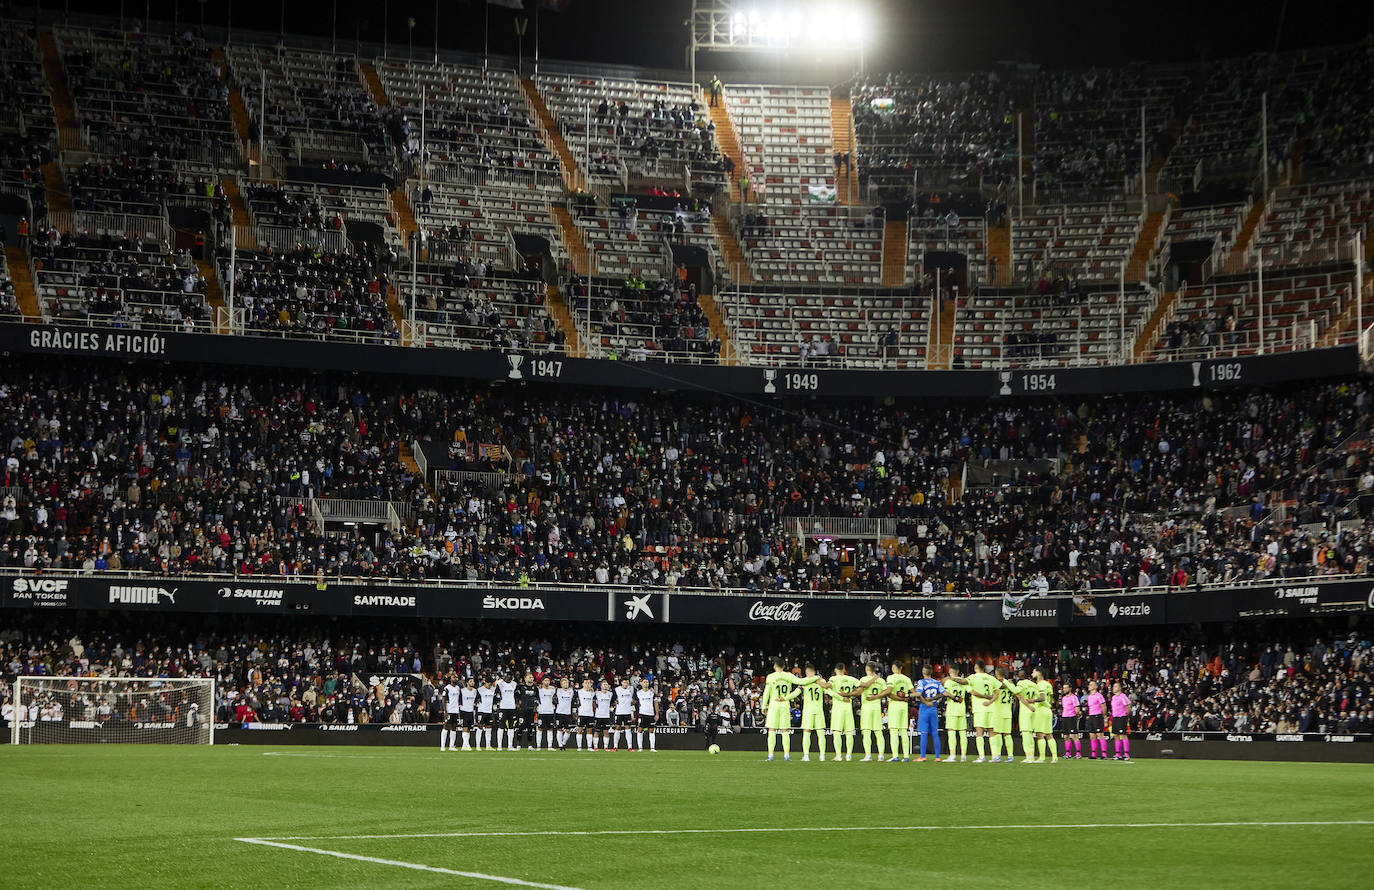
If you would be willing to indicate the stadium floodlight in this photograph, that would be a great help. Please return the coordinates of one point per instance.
(819, 26)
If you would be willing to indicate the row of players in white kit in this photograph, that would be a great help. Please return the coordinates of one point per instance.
(601, 715)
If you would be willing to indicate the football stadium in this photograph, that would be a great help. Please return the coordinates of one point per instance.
(591, 444)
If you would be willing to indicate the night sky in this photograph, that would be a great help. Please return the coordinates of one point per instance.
(923, 35)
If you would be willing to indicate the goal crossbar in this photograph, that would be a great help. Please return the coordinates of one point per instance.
(113, 710)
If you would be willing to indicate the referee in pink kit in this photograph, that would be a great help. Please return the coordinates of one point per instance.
(1121, 712)
(1096, 703)
(1068, 724)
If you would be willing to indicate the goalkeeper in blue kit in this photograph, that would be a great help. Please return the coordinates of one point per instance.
(929, 691)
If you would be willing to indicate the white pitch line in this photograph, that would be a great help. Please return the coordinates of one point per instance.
(413, 866)
(309, 754)
(769, 830)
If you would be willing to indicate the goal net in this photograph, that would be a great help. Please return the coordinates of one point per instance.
(113, 710)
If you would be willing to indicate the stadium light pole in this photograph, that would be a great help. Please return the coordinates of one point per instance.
(1264, 143)
(1121, 309)
(1020, 190)
(1142, 156)
(334, 29)
(692, 44)
(410, 39)
(229, 24)
(436, 32)
(1359, 287)
(386, 22)
(1259, 268)
(233, 257)
(262, 116)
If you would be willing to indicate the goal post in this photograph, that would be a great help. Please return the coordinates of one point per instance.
(113, 710)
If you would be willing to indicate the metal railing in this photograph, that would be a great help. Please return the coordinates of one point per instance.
(142, 228)
(288, 238)
(844, 527)
(417, 453)
(554, 587)
(490, 480)
(392, 514)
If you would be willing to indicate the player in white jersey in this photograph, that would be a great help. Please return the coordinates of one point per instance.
(486, 706)
(453, 696)
(467, 710)
(586, 715)
(603, 716)
(562, 712)
(505, 703)
(544, 713)
(648, 715)
(624, 714)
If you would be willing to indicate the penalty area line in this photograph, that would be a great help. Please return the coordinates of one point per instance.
(396, 863)
(808, 828)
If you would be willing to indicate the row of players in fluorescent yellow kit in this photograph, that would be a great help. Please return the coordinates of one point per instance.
(989, 697)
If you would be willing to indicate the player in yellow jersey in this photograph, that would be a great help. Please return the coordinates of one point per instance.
(984, 690)
(842, 688)
(956, 712)
(898, 692)
(1028, 694)
(1044, 719)
(813, 713)
(872, 688)
(1001, 716)
(780, 688)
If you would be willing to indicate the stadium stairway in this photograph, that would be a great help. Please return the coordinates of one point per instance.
(408, 460)
(1345, 322)
(1160, 155)
(238, 112)
(999, 249)
(942, 341)
(729, 144)
(58, 198)
(894, 253)
(553, 137)
(393, 306)
(374, 85)
(558, 310)
(842, 139)
(1138, 266)
(24, 293)
(405, 216)
(1235, 263)
(735, 261)
(728, 355)
(1149, 335)
(214, 295)
(572, 239)
(408, 463)
(243, 226)
(64, 111)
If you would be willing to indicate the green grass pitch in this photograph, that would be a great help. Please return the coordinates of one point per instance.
(153, 817)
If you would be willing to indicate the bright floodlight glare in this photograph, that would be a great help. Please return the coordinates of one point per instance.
(856, 27)
(818, 24)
